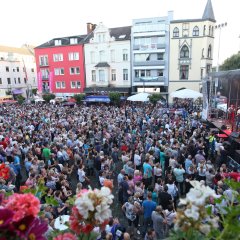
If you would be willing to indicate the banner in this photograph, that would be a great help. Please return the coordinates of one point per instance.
(39, 82)
(51, 82)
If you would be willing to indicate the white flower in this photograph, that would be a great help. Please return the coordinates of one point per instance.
(192, 212)
(84, 204)
(214, 222)
(103, 213)
(204, 228)
(106, 194)
(183, 201)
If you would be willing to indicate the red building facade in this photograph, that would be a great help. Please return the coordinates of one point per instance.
(60, 66)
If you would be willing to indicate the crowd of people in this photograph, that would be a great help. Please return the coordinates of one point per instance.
(147, 160)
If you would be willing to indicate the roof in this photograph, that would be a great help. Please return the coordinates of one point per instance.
(121, 33)
(102, 64)
(187, 20)
(65, 41)
(208, 13)
(231, 74)
(22, 50)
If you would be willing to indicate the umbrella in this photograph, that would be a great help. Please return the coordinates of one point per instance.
(140, 97)
(186, 93)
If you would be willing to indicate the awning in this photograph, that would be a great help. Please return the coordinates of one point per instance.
(96, 98)
(17, 91)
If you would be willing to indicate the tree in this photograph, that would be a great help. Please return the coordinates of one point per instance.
(34, 91)
(231, 63)
(48, 97)
(79, 97)
(155, 97)
(115, 97)
(20, 99)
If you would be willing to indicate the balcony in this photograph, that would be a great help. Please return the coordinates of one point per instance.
(149, 79)
(44, 64)
(149, 63)
(46, 77)
(149, 47)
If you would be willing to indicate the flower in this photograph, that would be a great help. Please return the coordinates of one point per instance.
(87, 228)
(22, 205)
(205, 228)
(192, 212)
(22, 226)
(103, 212)
(84, 204)
(65, 236)
(23, 188)
(6, 216)
(37, 229)
(4, 171)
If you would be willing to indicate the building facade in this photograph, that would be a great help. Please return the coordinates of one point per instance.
(150, 54)
(107, 60)
(17, 70)
(191, 50)
(60, 66)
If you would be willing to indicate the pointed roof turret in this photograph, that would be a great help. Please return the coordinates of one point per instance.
(208, 13)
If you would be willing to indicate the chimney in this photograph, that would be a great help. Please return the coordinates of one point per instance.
(90, 27)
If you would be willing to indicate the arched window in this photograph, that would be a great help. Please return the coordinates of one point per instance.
(203, 53)
(175, 32)
(204, 30)
(195, 31)
(209, 54)
(184, 52)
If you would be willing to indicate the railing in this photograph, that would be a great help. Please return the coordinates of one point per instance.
(149, 79)
(150, 63)
(144, 47)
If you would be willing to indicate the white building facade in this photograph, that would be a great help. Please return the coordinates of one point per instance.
(150, 54)
(107, 60)
(191, 50)
(17, 70)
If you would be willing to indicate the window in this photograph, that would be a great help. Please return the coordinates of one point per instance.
(175, 32)
(19, 80)
(17, 69)
(73, 84)
(59, 71)
(34, 80)
(13, 69)
(203, 53)
(160, 73)
(209, 51)
(184, 69)
(0, 81)
(7, 69)
(208, 68)
(101, 56)
(58, 85)
(113, 75)
(73, 56)
(63, 85)
(212, 31)
(58, 57)
(136, 73)
(112, 55)
(93, 76)
(57, 42)
(209, 30)
(185, 29)
(15, 80)
(78, 84)
(195, 31)
(45, 73)
(43, 60)
(125, 74)
(101, 76)
(74, 70)
(160, 56)
(201, 73)
(25, 80)
(184, 52)
(92, 57)
(125, 55)
(9, 81)
(32, 70)
(73, 41)
(204, 30)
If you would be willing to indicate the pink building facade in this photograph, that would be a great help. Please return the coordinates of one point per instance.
(60, 66)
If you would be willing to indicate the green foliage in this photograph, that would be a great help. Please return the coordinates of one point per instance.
(48, 97)
(231, 63)
(20, 99)
(79, 97)
(8, 92)
(34, 91)
(115, 97)
(155, 97)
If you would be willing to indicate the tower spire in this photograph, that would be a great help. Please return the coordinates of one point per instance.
(208, 12)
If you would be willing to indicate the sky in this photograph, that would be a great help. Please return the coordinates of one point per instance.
(37, 21)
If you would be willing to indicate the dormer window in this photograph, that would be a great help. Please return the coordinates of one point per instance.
(58, 42)
(175, 32)
(73, 41)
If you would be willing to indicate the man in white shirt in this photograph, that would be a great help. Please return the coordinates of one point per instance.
(137, 160)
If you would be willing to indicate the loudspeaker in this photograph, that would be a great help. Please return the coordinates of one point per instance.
(234, 134)
(223, 127)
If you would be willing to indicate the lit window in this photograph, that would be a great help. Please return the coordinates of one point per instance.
(184, 70)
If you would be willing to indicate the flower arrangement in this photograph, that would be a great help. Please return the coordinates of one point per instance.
(19, 218)
(4, 171)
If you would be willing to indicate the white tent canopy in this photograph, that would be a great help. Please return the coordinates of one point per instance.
(140, 97)
(186, 93)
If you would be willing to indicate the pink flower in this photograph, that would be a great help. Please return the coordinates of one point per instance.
(65, 236)
(23, 205)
